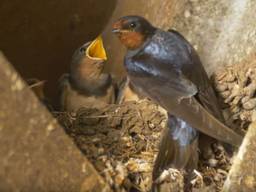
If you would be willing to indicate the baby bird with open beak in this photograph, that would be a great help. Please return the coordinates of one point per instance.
(87, 85)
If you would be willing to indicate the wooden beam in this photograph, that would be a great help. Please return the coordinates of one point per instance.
(36, 154)
(242, 176)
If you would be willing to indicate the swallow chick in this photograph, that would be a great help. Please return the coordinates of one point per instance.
(86, 85)
(126, 92)
(164, 66)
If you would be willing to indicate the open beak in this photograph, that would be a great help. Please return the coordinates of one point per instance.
(96, 49)
(116, 31)
(116, 27)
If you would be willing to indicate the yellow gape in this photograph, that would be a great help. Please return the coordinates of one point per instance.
(96, 50)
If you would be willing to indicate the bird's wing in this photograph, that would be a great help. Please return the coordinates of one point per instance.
(121, 88)
(144, 68)
(63, 88)
(206, 95)
(175, 92)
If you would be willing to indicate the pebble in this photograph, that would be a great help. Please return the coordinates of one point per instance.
(213, 162)
(249, 105)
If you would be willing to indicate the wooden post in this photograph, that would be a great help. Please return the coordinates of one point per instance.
(242, 176)
(35, 152)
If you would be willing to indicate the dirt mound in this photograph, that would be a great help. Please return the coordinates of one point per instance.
(236, 86)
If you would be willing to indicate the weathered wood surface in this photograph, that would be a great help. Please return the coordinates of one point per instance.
(222, 31)
(35, 152)
(242, 176)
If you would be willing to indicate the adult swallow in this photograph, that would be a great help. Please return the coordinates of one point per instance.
(87, 85)
(165, 67)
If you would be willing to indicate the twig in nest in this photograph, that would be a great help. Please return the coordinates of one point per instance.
(37, 84)
(109, 115)
(70, 116)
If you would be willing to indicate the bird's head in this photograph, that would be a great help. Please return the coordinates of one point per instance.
(93, 50)
(88, 60)
(133, 31)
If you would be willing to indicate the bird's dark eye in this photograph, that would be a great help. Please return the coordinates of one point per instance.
(82, 49)
(132, 25)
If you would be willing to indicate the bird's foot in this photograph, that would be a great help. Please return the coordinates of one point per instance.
(170, 180)
(197, 180)
(169, 174)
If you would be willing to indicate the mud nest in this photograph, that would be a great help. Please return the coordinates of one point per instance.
(236, 87)
(122, 141)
